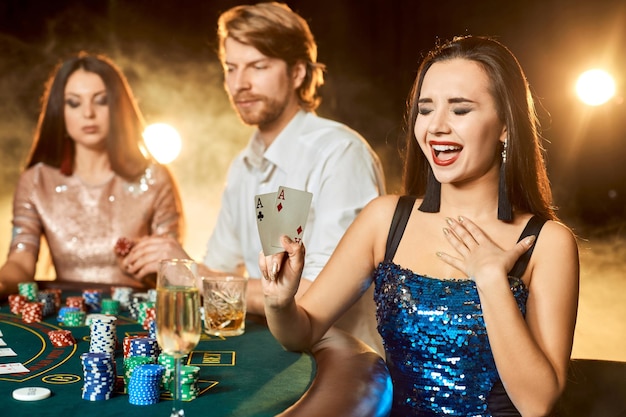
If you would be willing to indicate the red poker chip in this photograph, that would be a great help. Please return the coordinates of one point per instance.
(32, 312)
(61, 338)
(123, 246)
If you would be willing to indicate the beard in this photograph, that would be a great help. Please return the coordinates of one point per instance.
(264, 112)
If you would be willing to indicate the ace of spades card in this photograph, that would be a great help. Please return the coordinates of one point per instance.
(291, 210)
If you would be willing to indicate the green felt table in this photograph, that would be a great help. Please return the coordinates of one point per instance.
(247, 375)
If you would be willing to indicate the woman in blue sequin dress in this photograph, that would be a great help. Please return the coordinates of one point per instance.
(472, 324)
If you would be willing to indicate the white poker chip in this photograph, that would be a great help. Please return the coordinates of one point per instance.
(31, 394)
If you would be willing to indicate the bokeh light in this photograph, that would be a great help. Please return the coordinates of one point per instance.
(595, 87)
(163, 142)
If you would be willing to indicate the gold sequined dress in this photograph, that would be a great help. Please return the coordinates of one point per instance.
(82, 222)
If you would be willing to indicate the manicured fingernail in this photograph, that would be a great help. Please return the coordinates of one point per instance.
(274, 270)
(530, 240)
(461, 219)
(449, 221)
(446, 231)
(439, 254)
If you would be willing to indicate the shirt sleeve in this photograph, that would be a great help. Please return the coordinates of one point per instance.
(224, 251)
(351, 177)
(27, 227)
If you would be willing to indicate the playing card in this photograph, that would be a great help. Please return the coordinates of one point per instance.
(291, 212)
(264, 210)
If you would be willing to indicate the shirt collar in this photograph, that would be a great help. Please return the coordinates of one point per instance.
(281, 152)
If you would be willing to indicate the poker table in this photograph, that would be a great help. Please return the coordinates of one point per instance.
(247, 375)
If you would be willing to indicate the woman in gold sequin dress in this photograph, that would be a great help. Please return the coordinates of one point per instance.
(88, 182)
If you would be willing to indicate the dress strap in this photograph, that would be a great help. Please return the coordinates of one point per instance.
(533, 227)
(398, 224)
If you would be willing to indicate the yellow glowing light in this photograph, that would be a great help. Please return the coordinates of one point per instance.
(163, 142)
(595, 87)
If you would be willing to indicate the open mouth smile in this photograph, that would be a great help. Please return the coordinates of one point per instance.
(445, 154)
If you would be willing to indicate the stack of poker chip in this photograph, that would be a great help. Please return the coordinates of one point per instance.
(99, 376)
(132, 362)
(103, 337)
(142, 311)
(110, 306)
(133, 307)
(189, 376)
(74, 318)
(152, 330)
(28, 290)
(57, 296)
(93, 300)
(76, 301)
(126, 344)
(47, 298)
(144, 346)
(123, 295)
(32, 312)
(63, 310)
(60, 338)
(150, 316)
(144, 385)
(169, 363)
(16, 303)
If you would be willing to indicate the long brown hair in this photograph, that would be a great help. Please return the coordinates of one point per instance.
(125, 145)
(277, 32)
(526, 174)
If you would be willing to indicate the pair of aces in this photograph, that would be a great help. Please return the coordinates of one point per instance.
(281, 213)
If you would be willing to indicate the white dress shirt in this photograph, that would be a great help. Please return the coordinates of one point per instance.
(318, 155)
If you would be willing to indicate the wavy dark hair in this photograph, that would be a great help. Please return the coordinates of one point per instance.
(527, 180)
(277, 32)
(128, 155)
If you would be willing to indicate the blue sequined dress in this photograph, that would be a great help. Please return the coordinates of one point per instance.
(436, 342)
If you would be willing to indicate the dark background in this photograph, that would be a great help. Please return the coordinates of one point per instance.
(371, 49)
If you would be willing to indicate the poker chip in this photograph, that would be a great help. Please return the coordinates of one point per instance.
(28, 290)
(123, 246)
(31, 393)
(103, 334)
(76, 301)
(144, 346)
(98, 375)
(110, 306)
(123, 295)
(150, 316)
(126, 344)
(47, 298)
(142, 310)
(74, 318)
(152, 330)
(133, 307)
(63, 310)
(32, 312)
(144, 386)
(16, 303)
(131, 363)
(93, 300)
(61, 338)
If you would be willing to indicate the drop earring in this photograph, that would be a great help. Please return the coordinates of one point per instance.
(505, 210)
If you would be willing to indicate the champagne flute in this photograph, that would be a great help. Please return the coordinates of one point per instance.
(177, 315)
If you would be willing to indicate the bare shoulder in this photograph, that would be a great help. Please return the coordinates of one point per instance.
(381, 208)
(557, 236)
(556, 252)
